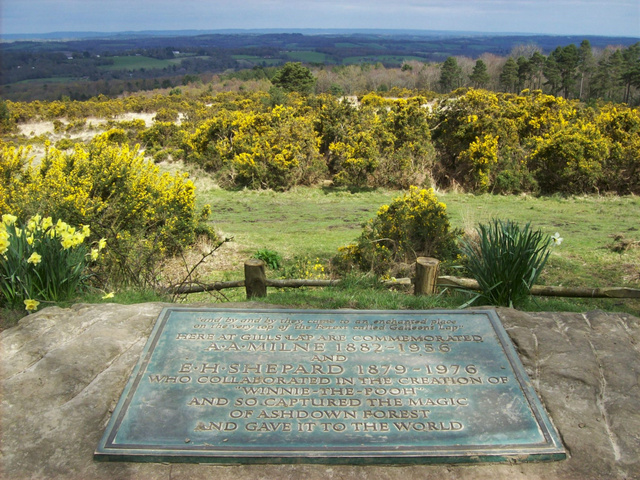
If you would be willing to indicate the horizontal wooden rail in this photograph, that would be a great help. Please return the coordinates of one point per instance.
(203, 287)
(442, 281)
(550, 291)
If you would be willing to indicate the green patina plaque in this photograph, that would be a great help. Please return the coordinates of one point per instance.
(359, 387)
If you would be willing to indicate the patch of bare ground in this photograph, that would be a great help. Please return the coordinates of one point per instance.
(229, 257)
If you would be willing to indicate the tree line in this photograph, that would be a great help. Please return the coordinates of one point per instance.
(571, 72)
(583, 72)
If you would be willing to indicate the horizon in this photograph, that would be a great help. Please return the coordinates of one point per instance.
(617, 18)
(95, 34)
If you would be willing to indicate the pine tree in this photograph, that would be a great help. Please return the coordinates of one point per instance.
(480, 76)
(509, 75)
(450, 75)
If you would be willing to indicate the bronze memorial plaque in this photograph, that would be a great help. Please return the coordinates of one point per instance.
(358, 387)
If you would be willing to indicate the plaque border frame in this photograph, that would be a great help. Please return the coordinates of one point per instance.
(552, 450)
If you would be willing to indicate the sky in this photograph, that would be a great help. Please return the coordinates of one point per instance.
(557, 17)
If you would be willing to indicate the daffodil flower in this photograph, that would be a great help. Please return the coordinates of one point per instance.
(46, 223)
(94, 254)
(31, 305)
(557, 239)
(108, 295)
(35, 258)
(9, 219)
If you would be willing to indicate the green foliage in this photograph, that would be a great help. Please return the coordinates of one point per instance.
(42, 261)
(293, 77)
(480, 77)
(272, 258)
(413, 225)
(450, 75)
(6, 122)
(506, 260)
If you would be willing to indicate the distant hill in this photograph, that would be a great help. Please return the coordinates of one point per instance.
(63, 36)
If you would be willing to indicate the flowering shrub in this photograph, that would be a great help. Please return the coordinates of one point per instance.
(413, 225)
(276, 149)
(43, 261)
(304, 267)
(571, 160)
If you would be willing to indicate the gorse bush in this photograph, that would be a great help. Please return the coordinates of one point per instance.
(506, 260)
(413, 225)
(43, 261)
(277, 149)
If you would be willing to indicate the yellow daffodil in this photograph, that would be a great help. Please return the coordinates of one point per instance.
(108, 295)
(4, 245)
(35, 258)
(33, 223)
(94, 254)
(31, 305)
(9, 219)
(47, 222)
(102, 244)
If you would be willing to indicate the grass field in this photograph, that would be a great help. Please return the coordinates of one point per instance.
(257, 60)
(137, 63)
(313, 223)
(308, 57)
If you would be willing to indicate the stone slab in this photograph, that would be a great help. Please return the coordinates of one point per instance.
(277, 386)
(62, 371)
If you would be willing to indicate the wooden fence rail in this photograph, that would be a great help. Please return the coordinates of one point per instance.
(425, 283)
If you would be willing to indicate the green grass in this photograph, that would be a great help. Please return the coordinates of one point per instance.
(137, 63)
(303, 221)
(257, 60)
(308, 57)
(315, 222)
(47, 80)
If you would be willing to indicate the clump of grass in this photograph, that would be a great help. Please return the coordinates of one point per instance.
(272, 258)
(506, 260)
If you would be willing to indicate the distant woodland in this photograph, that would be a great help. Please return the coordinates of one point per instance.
(588, 69)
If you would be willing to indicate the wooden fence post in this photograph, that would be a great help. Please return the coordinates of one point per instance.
(255, 278)
(426, 275)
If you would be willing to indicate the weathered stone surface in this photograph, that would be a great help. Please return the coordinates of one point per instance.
(63, 371)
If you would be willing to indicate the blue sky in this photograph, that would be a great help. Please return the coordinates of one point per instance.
(575, 17)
